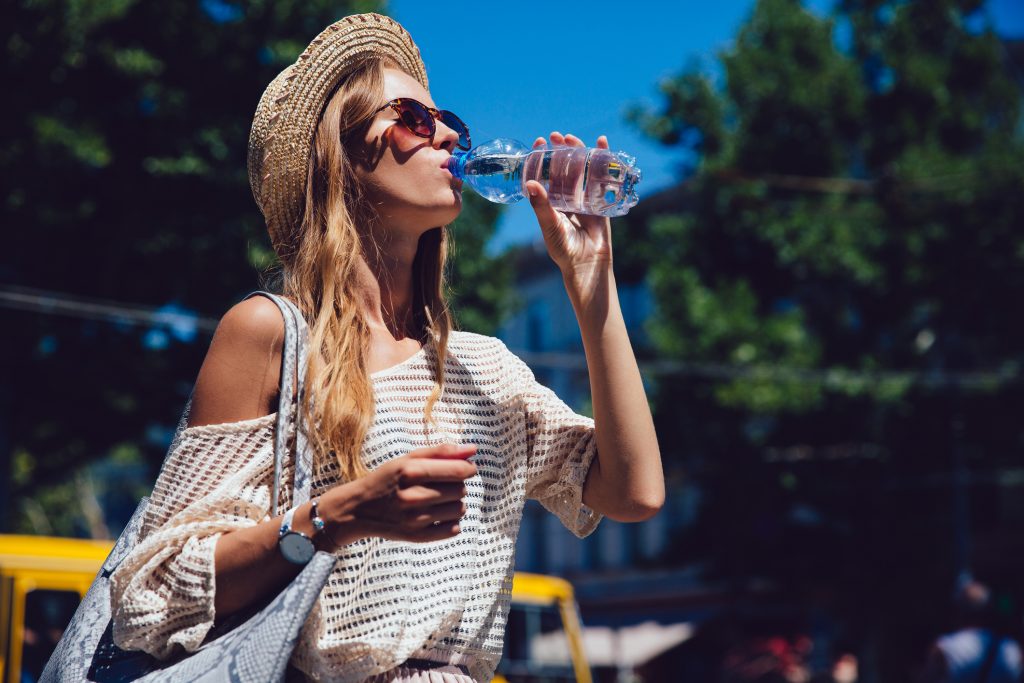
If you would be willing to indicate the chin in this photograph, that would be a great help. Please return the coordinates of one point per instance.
(451, 212)
(427, 216)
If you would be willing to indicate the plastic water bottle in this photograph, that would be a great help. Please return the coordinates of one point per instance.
(578, 179)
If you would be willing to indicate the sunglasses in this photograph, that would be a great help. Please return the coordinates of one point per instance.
(419, 119)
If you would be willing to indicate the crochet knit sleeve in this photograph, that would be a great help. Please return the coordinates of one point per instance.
(217, 479)
(561, 446)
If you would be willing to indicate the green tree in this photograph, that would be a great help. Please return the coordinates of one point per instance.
(481, 286)
(836, 278)
(124, 176)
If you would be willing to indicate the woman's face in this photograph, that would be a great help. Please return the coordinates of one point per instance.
(403, 173)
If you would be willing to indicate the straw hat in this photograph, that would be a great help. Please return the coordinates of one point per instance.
(288, 112)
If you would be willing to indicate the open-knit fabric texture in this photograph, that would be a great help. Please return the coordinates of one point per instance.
(386, 601)
(404, 674)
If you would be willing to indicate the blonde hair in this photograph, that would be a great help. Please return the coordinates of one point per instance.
(318, 273)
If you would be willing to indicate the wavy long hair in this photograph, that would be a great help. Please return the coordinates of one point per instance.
(318, 269)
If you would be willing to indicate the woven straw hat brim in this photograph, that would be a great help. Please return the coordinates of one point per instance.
(288, 111)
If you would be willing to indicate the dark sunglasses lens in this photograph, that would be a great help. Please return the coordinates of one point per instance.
(456, 124)
(416, 118)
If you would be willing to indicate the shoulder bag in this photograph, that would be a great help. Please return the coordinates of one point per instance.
(252, 647)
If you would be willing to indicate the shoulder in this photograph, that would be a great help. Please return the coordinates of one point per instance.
(1011, 653)
(488, 360)
(478, 347)
(958, 644)
(253, 320)
(240, 374)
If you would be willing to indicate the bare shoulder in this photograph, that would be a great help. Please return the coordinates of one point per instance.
(240, 374)
(256, 319)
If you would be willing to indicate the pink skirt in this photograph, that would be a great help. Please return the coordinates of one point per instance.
(415, 674)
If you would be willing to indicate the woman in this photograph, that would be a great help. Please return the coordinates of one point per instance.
(427, 440)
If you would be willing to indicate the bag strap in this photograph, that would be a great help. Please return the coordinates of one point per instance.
(294, 361)
(994, 643)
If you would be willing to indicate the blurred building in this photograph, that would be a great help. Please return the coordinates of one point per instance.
(631, 610)
(545, 334)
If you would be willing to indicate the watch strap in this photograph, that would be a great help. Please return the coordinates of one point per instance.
(287, 538)
(286, 523)
(314, 517)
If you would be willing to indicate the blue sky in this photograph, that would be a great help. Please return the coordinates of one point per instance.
(527, 68)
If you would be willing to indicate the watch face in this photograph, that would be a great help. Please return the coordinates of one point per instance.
(296, 548)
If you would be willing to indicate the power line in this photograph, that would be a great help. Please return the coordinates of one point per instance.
(840, 185)
(826, 377)
(53, 303)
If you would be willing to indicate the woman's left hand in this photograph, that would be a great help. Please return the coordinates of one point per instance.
(573, 240)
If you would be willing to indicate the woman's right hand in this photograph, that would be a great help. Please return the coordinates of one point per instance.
(416, 497)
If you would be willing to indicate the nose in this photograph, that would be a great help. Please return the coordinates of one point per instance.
(445, 137)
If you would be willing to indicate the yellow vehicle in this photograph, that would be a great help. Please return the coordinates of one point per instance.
(42, 580)
(543, 635)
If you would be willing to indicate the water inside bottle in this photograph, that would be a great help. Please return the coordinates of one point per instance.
(581, 180)
(497, 177)
(578, 179)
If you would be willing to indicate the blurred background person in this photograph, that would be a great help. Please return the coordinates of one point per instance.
(981, 649)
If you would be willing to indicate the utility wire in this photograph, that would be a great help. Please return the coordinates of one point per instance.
(39, 301)
(829, 377)
(840, 185)
(52, 303)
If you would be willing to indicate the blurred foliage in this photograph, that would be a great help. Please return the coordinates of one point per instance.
(124, 179)
(836, 271)
(481, 293)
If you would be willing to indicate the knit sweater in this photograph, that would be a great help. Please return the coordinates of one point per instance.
(386, 601)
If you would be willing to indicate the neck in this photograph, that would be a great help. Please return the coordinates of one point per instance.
(384, 284)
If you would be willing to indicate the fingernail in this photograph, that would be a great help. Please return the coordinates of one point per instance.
(532, 191)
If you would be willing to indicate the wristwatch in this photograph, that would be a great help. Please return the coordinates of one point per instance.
(296, 546)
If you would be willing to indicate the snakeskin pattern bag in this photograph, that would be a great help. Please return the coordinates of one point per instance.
(250, 647)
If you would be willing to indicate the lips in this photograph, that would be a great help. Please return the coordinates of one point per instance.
(457, 181)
